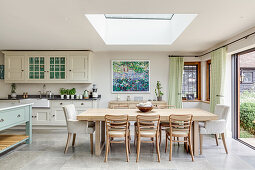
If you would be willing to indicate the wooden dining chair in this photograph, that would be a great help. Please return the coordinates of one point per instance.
(147, 127)
(179, 126)
(123, 106)
(117, 126)
(165, 124)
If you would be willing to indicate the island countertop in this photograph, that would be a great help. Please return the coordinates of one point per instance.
(7, 105)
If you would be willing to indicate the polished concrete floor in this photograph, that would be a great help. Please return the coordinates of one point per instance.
(46, 152)
(250, 141)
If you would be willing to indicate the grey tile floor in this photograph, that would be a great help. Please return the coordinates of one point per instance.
(46, 152)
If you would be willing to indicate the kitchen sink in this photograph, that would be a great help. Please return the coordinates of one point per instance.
(38, 103)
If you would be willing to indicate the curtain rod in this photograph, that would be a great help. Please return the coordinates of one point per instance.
(244, 37)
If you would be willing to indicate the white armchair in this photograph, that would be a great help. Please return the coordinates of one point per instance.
(75, 126)
(215, 127)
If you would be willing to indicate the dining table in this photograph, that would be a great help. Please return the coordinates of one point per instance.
(97, 115)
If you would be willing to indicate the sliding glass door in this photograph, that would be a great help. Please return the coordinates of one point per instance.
(244, 96)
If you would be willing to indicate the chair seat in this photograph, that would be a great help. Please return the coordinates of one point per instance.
(178, 133)
(119, 133)
(148, 133)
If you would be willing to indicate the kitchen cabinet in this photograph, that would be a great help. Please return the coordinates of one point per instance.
(57, 116)
(15, 68)
(54, 116)
(79, 68)
(48, 66)
(40, 116)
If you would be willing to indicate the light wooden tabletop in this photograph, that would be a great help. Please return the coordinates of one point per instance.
(99, 114)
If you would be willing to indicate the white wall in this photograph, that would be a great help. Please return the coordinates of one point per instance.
(159, 69)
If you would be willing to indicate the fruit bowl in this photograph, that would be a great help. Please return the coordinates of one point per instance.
(144, 109)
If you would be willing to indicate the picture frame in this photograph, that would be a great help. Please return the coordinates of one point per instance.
(130, 76)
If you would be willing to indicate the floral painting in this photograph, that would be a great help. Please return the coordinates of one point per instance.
(130, 76)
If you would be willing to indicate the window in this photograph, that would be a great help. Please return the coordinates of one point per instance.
(247, 76)
(208, 79)
(140, 16)
(191, 84)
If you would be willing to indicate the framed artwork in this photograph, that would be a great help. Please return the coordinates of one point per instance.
(130, 76)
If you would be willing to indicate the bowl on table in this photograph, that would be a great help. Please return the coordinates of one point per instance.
(144, 109)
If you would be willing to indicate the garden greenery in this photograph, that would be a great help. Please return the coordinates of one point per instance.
(247, 116)
(247, 110)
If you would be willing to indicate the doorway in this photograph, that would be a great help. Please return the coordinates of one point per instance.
(244, 97)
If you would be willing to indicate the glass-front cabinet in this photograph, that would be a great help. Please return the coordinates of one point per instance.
(36, 68)
(47, 68)
(57, 68)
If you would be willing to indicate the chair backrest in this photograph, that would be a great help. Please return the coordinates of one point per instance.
(166, 107)
(120, 107)
(148, 122)
(181, 123)
(116, 123)
(70, 112)
(222, 111)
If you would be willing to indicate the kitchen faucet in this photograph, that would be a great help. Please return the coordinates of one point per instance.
(44, 92)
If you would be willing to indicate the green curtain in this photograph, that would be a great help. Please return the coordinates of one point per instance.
(218, 68)
(175, 81)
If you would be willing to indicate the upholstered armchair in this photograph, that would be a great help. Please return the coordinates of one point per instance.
(215, 127)
(75, 126)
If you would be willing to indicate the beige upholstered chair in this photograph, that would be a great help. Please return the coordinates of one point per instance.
(179, 126)
(117, 126)
(147, 127)
(75, 126)
(215, 127)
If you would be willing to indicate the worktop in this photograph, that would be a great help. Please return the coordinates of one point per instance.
(7, 105)
(56, 97)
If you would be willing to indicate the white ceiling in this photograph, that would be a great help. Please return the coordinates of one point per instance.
(61, 25)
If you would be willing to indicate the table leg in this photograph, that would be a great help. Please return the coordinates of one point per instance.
(102, 132)
(195, 138)
(29, 126)
(99, 137)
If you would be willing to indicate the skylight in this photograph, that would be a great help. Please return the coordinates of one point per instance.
(140, 29)
(140, 16)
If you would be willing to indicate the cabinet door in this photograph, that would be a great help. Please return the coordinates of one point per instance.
(58, 117)
(57, 70)
(40, 116)
(14, 68)
(36, 68)
(79, 68)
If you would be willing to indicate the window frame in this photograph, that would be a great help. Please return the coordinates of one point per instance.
(247, 70)
(208, 80)
(198, 64)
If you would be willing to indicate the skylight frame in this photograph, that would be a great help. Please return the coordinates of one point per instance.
(137, 18)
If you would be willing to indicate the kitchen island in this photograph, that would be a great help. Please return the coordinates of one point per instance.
(12, 114)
